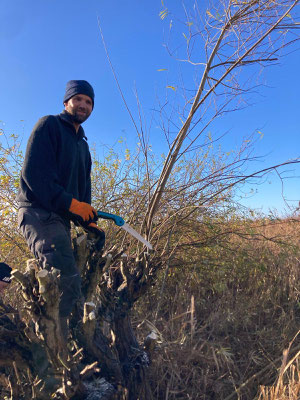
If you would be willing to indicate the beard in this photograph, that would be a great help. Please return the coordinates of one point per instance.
(78, 114)
(79, 118)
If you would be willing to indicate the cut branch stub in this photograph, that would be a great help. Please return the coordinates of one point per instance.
(89, 322)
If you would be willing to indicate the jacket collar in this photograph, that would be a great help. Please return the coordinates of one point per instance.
(65, 116)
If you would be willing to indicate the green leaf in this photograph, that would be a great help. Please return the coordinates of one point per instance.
(162, 69)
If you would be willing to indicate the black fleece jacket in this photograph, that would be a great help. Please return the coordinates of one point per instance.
(57, 166)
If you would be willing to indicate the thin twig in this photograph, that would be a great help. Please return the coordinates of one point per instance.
(115, 77)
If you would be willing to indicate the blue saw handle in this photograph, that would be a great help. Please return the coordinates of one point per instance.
(117, 220)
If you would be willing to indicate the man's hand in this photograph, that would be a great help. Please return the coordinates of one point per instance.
(98, 234)
(94, 228)
(84, 210)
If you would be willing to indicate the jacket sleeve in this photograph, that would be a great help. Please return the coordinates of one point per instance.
(40, 168)
(88, 192)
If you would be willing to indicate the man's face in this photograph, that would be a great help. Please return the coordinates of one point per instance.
(80, 107)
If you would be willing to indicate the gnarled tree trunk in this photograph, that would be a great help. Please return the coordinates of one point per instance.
(102, 358)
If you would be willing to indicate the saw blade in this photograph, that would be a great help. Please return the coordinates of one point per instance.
(135, 234)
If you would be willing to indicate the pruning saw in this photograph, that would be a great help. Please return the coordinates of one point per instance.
(119, 221)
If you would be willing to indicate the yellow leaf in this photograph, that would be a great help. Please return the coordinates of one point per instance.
(261, 134)
(162, 69)
(163, 14)
(171, 87)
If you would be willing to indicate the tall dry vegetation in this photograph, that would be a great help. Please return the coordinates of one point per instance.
(225, 304)
(227, 311)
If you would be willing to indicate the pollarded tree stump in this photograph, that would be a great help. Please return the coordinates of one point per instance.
(103, 358)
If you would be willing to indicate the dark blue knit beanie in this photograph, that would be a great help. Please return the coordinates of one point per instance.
(79, 87)
(5, 271)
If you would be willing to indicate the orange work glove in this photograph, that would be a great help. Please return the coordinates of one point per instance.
(84, 210)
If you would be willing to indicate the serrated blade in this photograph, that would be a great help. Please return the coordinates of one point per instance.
(135, 234)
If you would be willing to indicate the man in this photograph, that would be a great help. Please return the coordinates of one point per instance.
(55, 188)
(5, 278)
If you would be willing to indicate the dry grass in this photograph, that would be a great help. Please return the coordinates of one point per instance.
(287, 386)
(228, 310)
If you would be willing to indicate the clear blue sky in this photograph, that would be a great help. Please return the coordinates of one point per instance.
(45, 43)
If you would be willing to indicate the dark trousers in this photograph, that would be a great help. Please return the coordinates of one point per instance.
(48, 237)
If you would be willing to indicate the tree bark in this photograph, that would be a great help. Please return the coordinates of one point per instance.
(102, 359)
